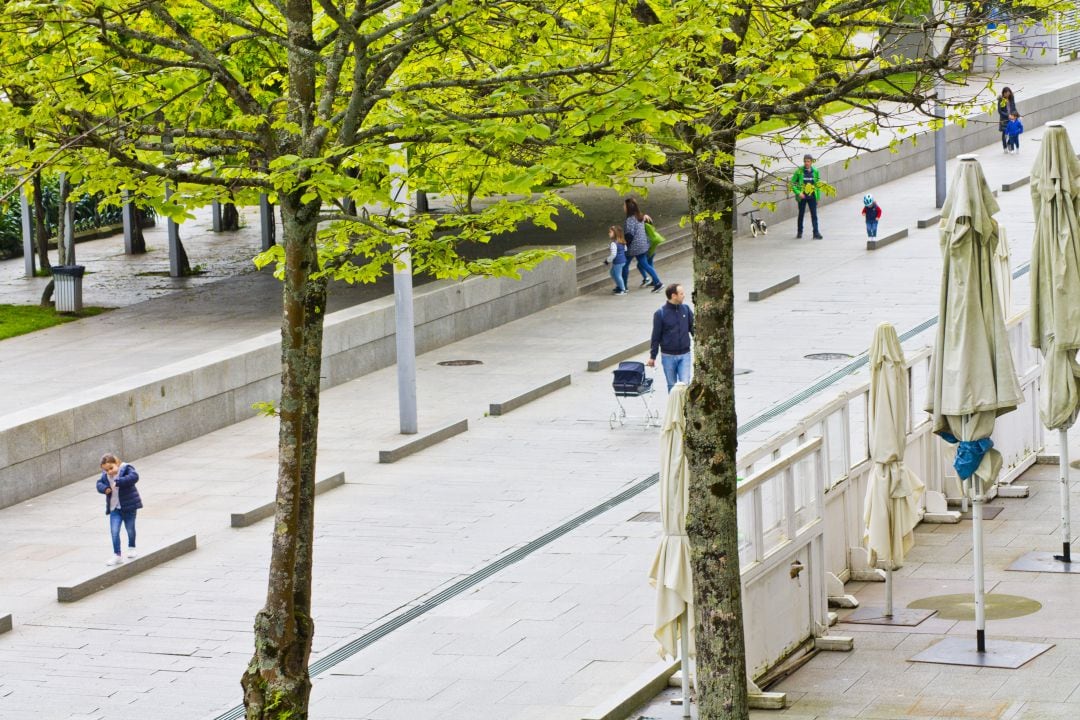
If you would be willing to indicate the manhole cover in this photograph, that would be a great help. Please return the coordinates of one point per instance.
(646, 517)
(828, 356)
(458, 363)
(743, 371)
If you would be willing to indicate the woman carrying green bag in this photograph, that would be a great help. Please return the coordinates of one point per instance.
(655, 238)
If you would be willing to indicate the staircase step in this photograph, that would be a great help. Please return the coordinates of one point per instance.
(591, 280)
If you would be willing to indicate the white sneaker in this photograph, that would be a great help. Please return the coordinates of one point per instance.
(115, 560)
(131, 554)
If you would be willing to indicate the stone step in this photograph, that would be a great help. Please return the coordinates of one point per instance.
(594, 278)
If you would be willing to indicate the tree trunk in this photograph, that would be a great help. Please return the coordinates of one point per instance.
(276, 684)
(41, 233)
(138, 240)
(61, 224)
(712, 523)
(182, 257)
(230, 217)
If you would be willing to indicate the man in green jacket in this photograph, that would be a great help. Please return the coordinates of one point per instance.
(806, 183)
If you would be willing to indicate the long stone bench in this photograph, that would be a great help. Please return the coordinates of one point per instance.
(123, 571)
(250, 517)
(46, 447)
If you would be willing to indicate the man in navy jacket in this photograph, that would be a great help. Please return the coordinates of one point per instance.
(673, 326)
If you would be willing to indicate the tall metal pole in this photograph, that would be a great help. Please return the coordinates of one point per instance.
(127, 214)
(404, 331)
(940, 150)
(1063, 477)
(173, 233)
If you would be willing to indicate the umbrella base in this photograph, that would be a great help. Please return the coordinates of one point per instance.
(999, 653)
(901, 617)
(1045, 562)
(989, 512)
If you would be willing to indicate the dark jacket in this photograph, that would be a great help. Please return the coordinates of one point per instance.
(872, 212)
(1005, 106)
(672, 327)
(125, 486)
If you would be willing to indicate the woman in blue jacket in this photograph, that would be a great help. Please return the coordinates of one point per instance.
(122, 501)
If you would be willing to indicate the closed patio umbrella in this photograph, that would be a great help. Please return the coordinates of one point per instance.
(671, 572)
(972, 378)
(893, 492)
(1055, 295)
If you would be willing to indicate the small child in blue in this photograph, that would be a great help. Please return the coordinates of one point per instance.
(122, 501)
(872, 212)
(1013, 128)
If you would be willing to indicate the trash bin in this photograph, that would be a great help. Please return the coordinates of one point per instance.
(68, 287)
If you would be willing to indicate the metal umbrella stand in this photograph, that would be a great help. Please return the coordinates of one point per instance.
(972, 380)
(893, 491)
(1055, 314)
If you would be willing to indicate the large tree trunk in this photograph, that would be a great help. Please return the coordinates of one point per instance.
(712, 523)
(276, 684)
(61, 224)
(230, 217)
(41, 234)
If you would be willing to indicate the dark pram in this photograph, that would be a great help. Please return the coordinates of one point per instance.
(631, 381)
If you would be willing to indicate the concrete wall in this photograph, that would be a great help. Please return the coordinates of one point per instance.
(865, 172)
(49, 446)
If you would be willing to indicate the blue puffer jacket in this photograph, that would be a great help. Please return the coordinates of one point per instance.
(125, 485)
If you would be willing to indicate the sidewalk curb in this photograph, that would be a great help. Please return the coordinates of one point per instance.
(759, 295)
(5, 624)
(635, 694)
(878, 243)
(598, 365)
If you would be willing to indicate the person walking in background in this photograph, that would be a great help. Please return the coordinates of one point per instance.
(672, 330)
(805, 184)
(122, 501)
(1006, 106)
(1012, 133)
(871, 213)
(637, 246)
(617, 258)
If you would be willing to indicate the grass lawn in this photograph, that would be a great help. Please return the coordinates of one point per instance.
(22, 319)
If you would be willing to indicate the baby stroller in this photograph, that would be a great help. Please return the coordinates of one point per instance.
(631, 381)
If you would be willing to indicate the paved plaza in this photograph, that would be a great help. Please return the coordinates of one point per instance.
(570, 623)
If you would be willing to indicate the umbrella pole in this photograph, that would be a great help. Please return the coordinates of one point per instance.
(977, 553)
(1063, 476)
(684, 650)
(888, 591)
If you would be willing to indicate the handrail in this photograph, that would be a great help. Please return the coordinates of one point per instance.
(779, 465)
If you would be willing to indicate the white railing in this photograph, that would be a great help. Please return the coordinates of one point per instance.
(802, 498)
(781, 554)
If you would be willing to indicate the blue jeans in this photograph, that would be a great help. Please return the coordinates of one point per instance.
(1014, 142)
(128, 518)
(641, 270)
(676, 368)
(644, 266)
(617, 276)
(810, 202)
(871, 228)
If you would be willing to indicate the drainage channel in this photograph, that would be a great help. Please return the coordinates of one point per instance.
(347, 651)
(367, 639)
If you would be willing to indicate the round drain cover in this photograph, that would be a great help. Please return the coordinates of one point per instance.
(828, 356)
(458, 363)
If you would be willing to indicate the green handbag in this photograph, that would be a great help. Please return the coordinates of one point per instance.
(655, 238)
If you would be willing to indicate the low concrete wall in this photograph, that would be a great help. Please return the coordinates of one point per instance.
(48, 446)
(861, 174)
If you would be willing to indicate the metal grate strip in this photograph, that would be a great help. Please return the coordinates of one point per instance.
(346, 651)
